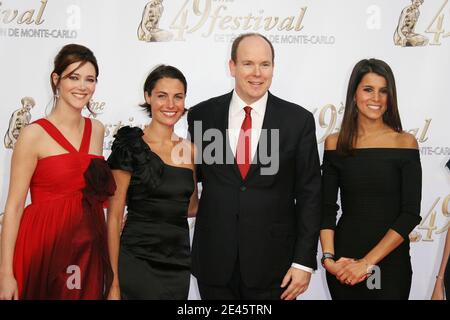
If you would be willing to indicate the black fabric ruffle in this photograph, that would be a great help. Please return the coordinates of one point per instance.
(100, 185)
(129, 152)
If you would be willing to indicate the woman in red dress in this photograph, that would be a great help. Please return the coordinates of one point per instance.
(56, 247)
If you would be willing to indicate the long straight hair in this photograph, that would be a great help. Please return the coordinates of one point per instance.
(349, 127)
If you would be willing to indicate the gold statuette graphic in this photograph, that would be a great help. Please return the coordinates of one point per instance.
(19, 119)
(415, 236)
(148, 29)
(405, 35)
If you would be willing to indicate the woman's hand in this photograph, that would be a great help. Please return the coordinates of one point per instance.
(114, 293)
(334, 267)
(354, 272)
(8, 287)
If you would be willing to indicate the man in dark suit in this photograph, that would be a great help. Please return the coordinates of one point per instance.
(258, 220)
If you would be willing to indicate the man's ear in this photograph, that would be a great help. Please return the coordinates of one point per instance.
(232, 66)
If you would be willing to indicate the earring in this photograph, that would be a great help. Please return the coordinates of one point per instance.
(55, 99)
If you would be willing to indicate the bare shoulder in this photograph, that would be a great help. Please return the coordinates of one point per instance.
(30, 139)
(407, 140)
(98, 130)
(31, 134)
(97, 125)
(331, 141)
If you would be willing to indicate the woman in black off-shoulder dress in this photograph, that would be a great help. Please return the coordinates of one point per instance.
(376, 167)
(152, 260)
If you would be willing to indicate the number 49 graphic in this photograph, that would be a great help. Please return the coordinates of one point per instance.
(431, 218)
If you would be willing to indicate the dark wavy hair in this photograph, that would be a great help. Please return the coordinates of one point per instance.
(349, 126)
(158, 73)
(69, 54)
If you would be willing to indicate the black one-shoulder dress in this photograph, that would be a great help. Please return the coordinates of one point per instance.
(154, 257)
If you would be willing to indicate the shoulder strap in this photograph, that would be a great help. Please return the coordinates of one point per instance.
(86, 142)
(55, 134)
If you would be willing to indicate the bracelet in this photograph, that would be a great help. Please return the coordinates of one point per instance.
(440, 277)
(326, 255)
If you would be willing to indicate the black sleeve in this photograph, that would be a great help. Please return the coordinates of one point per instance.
(307, 194)
(121, 157)
(409, 217)
(330, 189)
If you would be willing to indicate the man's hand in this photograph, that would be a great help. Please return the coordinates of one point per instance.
(298, 281)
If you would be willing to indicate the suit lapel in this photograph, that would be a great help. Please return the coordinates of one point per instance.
(221, 123)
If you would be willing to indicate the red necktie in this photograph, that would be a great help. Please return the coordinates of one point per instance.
(243, 150)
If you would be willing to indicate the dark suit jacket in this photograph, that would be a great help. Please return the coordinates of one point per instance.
(269, 221)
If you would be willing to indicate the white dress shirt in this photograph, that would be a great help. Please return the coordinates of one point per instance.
(236, 115)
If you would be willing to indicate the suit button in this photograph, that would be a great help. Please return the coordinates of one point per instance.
(243, 188)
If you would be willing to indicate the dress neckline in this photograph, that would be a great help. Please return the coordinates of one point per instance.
(159, 158)
(56, 134)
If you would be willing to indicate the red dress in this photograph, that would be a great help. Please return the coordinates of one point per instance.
(61, 248)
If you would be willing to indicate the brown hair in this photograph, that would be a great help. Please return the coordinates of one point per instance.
(349, 127)
(69, 54)
(237, 41)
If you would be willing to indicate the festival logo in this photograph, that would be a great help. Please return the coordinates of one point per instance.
(32, 22)
(148, 29)
(223, 21)
(406, 35)
(438, 212)
(19, 119)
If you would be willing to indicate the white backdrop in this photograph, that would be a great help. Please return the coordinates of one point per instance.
(317, 43)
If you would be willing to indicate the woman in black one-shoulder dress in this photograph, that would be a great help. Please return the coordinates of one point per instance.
(376, 167)
(152, 260)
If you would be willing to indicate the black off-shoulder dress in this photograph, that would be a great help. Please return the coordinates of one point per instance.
(154, 258)
(380, 189)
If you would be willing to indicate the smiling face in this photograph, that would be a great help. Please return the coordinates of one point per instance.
(167, 101)
(372, 97)
(76, 87)
(253, 69)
